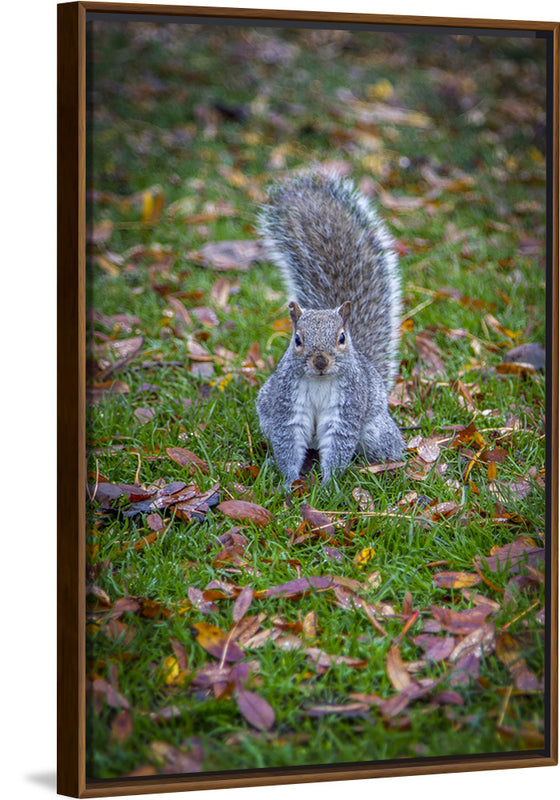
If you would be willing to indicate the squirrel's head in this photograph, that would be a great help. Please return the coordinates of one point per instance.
(320, 337)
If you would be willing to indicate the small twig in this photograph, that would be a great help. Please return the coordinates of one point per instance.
(420, 307)
(250, 441)
(377, 625)
(533, 605)
(505, 704)
(137, 476)
(226, 645)
(92, 497)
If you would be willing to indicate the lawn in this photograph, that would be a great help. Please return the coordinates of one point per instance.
(398, 611)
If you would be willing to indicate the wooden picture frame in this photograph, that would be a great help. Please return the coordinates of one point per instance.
(72, 779)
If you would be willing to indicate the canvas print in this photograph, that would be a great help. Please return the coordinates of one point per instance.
(316, 394)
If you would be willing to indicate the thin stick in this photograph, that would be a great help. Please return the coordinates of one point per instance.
(531, 607)
(505, 705)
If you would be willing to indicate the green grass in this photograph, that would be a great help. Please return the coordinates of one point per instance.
(154, 121)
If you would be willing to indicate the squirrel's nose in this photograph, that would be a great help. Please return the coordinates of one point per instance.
(320, 362)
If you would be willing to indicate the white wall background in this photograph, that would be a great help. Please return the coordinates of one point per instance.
(27, 413)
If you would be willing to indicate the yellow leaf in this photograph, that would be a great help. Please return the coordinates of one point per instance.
(147, 206)
(310, 625)
(381, 90)
(152, 205)
(174, 675)
(364, 556)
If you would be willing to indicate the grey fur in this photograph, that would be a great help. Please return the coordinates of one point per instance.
(329, 390)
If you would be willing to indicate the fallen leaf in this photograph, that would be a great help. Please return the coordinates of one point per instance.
(430, 355)
(217, 643)
(456, 580)
(317, 521)
(462, 622)
(242, 603)
(234, 255)
(121, 729)
(436, 648)
(187, 459)
(96, 391)
(512, 557)
(242, 511)
(144, 415)
(256, 710)
(355, 709)
(297, 587)
(323, 661)
(509, 653)
(396, 669)
(362, 558)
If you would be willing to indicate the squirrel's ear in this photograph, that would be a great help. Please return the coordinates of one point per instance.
(345, 310)
(295, 311)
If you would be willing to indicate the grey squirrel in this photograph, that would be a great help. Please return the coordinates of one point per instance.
(329, 390)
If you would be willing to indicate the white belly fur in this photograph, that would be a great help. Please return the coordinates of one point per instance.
(315, 409)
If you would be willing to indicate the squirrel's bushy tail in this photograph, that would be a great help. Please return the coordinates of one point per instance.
(331, 246)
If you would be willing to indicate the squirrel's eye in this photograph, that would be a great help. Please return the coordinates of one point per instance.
(341, 338)
(297, 340)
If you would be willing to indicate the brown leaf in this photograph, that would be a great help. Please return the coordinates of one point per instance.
(242, 603)
(220, 292)
(462, 622)
(317, 521)
(180, 652)
(323, 661)
(152, 609)
(96, 391)
(467, 436)
(429, 450)
(396, 669)
(107, 493)
(480, 641)
(155, 522)
(144, 415)
(247, 628)
(103, 688)
(178, 761)
(430, 355)
(100, 233)
(298, 587)
(246, 512)
(217, 643)
(187, 459)
(121, 729)
(206, 316)
(196, 507)
(355, 709)
(513, 557)
(197, 599)
(509, 652)
(436, 648)
(256, 710)
(234, 255)
(456, 580)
